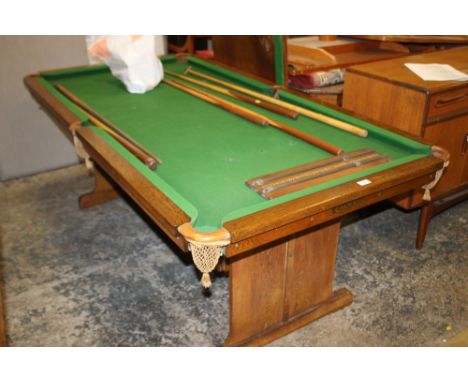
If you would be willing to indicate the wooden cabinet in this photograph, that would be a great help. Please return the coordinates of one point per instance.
(390, 93)
(452, 135)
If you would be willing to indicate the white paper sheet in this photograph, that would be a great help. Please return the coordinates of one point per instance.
(437, 72)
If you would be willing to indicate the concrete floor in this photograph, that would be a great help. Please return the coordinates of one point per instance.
(107, 276)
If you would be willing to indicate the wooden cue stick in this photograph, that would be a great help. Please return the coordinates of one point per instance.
(243, 97)
(226, 105)
(308, 113)
(316, 165)
(306, 137)
(321, 171)
(152, 158)
(268, 188)
(253, 116)
(148, 160)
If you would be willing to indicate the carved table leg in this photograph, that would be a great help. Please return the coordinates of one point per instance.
(284, 287)
(103, 191)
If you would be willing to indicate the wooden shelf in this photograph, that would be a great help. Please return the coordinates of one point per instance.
(310, 53)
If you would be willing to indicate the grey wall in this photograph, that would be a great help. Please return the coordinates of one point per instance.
(29, 140)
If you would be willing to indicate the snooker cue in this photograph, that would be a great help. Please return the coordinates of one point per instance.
(308, 113)
(146, 157)
(148, 160)
(243, 97)
(226, 105)
(253, 116)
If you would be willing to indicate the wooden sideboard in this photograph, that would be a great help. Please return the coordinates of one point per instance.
(390, 93)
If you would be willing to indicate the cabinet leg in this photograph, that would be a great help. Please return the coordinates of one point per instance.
(424, 218)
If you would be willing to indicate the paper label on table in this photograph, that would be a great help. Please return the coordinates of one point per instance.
(437, 72)
(364, 182)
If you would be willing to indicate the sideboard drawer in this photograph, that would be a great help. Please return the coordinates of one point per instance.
(446, 104)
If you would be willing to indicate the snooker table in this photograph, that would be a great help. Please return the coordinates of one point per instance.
(279, 253)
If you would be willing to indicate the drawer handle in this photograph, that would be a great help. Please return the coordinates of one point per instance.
(464, 145)
(445, 101)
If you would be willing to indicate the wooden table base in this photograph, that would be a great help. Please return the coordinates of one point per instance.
(104, 191)
(278, 289)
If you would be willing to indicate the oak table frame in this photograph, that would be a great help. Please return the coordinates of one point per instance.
(281, 260)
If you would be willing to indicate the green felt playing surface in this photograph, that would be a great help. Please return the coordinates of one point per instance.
(208, 153)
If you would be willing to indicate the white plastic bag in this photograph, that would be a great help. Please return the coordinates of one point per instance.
(132, 59)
